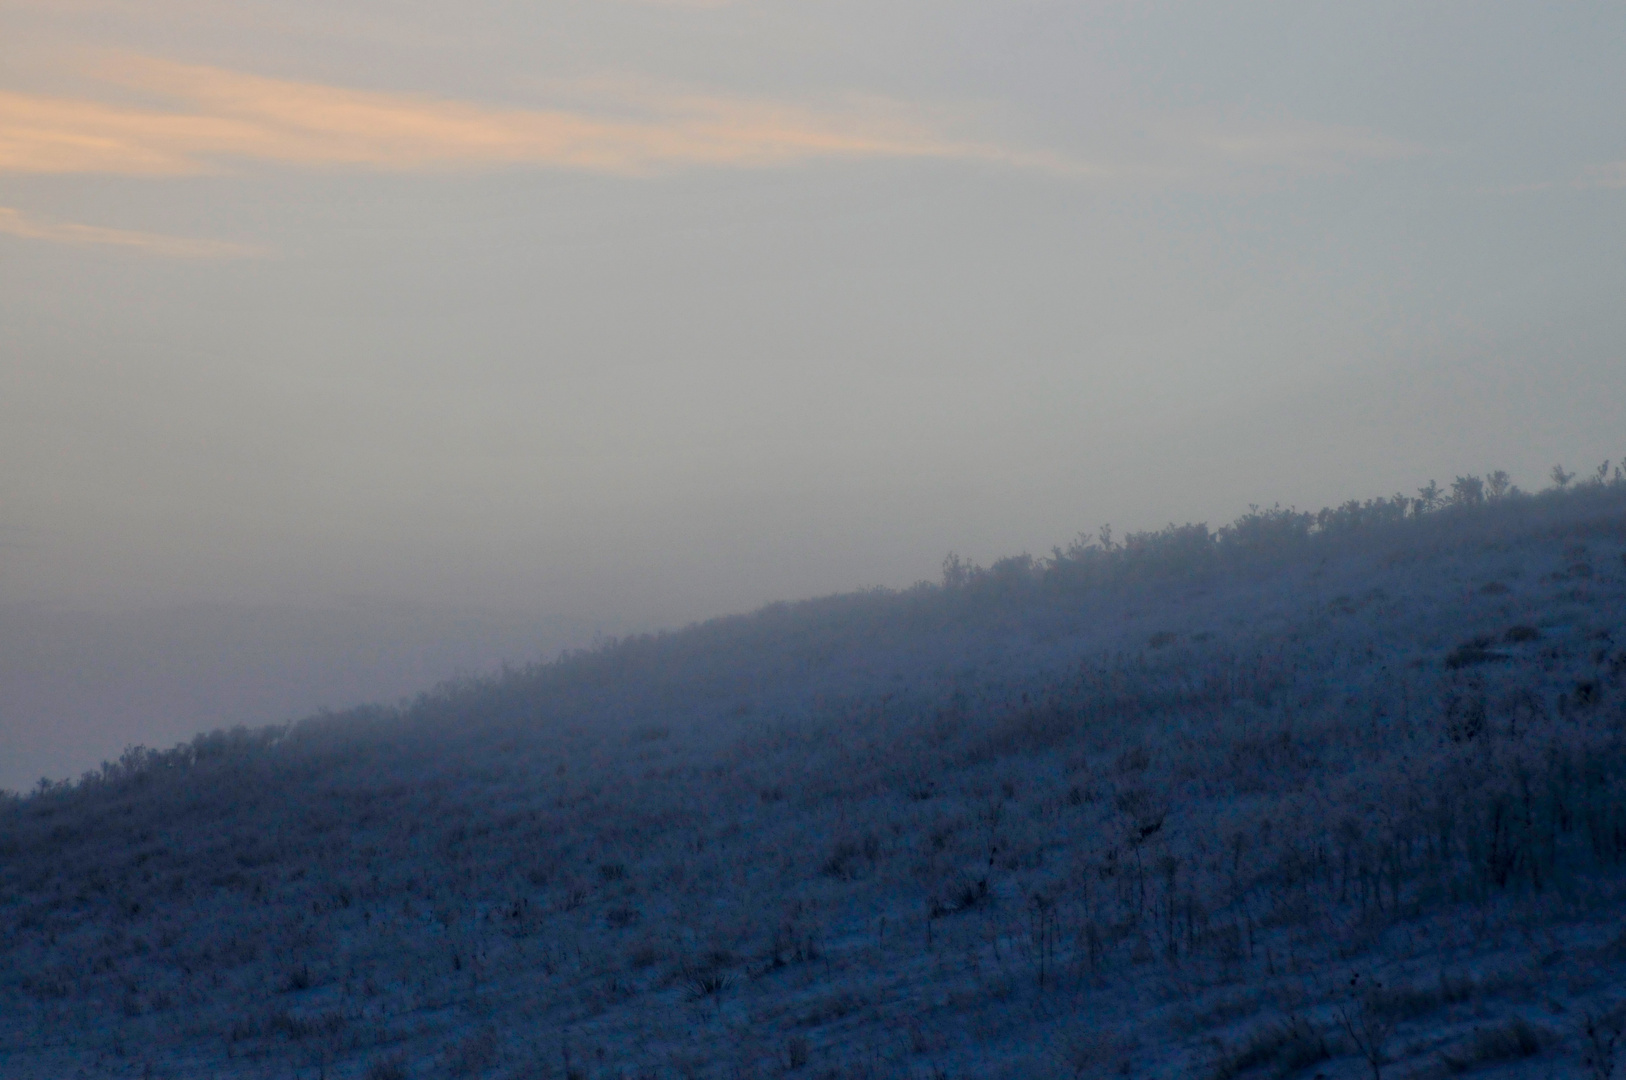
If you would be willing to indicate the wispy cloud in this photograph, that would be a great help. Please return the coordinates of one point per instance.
(1284, 143)
(223, 117)
(1611, 175)
(15, 223)
(699, 5)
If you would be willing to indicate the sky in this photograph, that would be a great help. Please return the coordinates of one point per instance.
(345, 345)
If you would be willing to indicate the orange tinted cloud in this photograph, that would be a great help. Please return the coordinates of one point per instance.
(221, 117)
(15, 223)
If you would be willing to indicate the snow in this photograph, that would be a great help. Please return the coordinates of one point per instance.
(1145, 812)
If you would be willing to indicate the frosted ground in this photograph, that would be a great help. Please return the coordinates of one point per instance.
(1339, 795)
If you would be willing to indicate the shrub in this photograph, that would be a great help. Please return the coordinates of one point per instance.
(475, 1055)
(1510, 1041)
(963, 896)
(1599, 1035)
(1366, 1023)
(388, 1068)
(298, 979)
(644, 954)
(1407, 1003)
(1465, 717)
(1470, 653)
(1467, 491)
(843, 862)
(1286, 1048)
(707, 982)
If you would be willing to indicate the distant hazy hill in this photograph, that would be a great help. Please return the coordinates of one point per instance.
(1339, 794)
(74, 684)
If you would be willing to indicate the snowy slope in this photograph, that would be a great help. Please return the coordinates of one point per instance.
(1353, 806)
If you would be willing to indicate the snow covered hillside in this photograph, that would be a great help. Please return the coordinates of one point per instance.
(1340, 796)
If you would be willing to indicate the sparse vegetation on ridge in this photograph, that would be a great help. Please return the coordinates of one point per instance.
(1305, 793)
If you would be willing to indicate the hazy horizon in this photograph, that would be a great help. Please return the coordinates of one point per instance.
(609, 315)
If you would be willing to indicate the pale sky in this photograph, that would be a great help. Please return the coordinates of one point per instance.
(615, 315)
